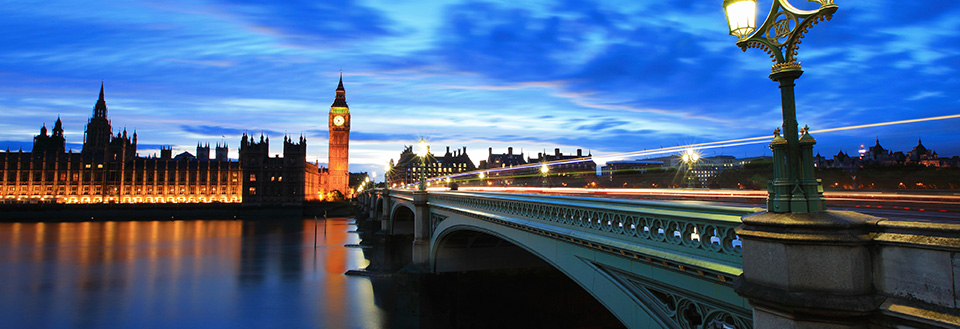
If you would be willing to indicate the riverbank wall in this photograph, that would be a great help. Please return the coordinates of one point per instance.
(180, 211)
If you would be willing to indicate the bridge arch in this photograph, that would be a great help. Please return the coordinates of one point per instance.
(571, 265)
(621, 285)
(402, 216)
(470, 248)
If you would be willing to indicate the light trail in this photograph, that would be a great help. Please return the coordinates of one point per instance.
(672, 149)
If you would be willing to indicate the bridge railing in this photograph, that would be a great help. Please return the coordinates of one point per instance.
(697, 235)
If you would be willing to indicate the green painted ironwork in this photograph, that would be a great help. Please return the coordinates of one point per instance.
(705, 232)
(793, 189)
(681, 308)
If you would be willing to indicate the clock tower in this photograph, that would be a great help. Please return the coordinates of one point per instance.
(339, 150)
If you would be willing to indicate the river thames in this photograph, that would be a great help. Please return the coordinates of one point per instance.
(254, 274)
(184, 274)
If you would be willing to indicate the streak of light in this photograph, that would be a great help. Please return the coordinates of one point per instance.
(679, 148)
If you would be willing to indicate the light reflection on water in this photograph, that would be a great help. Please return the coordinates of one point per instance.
(183, 274)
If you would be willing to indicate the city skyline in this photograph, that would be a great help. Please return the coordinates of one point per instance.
(606, 77)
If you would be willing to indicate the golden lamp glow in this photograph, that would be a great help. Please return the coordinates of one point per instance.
(544, 169)
(690, 156)
(741, 16)
(422, 148)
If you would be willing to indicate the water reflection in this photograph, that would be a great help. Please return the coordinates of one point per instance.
(185, 274)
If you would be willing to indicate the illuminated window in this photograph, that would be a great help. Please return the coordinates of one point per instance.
(99, 165)
(253, 191)
(253, 178)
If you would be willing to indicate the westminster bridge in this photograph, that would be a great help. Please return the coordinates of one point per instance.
(658, 264)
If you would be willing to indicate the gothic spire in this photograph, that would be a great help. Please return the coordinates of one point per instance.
(341, 100)
(100, 110)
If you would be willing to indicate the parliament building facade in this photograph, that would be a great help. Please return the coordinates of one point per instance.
(108, 169)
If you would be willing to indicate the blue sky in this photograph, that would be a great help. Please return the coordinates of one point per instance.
(605, 76)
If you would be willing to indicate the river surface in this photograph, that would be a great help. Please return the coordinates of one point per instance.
(259, 274)
(184, 274)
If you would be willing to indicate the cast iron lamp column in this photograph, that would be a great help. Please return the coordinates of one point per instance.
(422, 150)
(544, 171)
(793, 189)
(803, 266)
(690, 157)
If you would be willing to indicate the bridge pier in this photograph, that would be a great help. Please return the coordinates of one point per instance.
(808, 270)
(385, 223)
(841, 269)
(421, 229)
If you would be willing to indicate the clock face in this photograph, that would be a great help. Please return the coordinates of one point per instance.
(338, 120)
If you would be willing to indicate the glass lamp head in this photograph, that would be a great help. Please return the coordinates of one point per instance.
(422, 148)
(741, 16)
(544, 169)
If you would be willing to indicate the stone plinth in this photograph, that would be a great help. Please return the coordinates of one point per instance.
(808, 270)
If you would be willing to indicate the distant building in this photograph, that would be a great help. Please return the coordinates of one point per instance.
(504, 161)
(276, 181)
(52, 144)
(921, 155)
(406, 170)
(566, 165)
(108, 170)
(337, 177)
(877, 155)
(614, 169)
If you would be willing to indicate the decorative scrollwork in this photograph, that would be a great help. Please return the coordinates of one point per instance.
(782, 32)
(784, 25)
(705, 236)
(684, 309)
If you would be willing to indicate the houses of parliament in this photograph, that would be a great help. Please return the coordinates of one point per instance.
(109, 170)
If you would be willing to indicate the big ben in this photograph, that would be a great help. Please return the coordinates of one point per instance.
(339, 150)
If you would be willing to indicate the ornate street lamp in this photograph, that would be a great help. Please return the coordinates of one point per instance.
(690, 158)
(793, 189)
(422, 151)
(544, 170)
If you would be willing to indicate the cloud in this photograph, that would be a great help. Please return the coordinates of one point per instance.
(214, 131)
(924, 95)
(310, 24)
(602, 124)
(370, 136)
(201, 62)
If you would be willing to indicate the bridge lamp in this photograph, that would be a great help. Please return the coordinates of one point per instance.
(386, 174)
(422, 151)
(690, 158)
(741, 16)
(793, 189)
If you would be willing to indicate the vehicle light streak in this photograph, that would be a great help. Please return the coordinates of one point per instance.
(675, 149)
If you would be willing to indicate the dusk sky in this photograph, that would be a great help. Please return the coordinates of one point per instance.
(604, 76)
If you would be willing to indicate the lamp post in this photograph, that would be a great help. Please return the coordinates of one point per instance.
(544, 171)
(793, 189)
(422, 151)
(690, 158)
